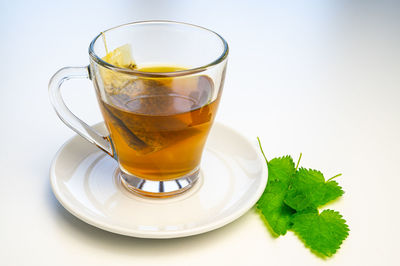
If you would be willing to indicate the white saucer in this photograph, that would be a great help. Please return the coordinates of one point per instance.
(233, 177)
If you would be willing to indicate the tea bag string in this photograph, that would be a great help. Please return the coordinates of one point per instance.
(104, 41)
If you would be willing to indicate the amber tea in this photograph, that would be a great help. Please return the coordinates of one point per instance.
(159, 126)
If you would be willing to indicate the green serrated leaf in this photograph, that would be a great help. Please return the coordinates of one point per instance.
(322, 233)
(308, 190)
(271, 205)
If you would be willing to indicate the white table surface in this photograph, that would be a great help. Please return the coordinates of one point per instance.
(318, 77)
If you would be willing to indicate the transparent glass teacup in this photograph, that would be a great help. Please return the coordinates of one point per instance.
(158, 103)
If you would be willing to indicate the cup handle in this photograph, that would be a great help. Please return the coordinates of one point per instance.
(67, 116)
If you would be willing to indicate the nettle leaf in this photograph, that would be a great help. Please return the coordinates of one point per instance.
(323, 233)
(271, 205)
(308, 189)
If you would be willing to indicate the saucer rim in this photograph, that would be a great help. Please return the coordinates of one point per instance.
(165, 234)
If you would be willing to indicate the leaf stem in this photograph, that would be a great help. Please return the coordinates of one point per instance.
(298, 162)
(333, 177)
(259, 144)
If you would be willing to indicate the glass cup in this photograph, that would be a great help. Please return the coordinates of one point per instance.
(158, 85)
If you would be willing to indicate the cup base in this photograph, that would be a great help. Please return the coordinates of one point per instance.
(159, 189)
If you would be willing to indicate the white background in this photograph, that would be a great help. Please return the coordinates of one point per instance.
(318, 77)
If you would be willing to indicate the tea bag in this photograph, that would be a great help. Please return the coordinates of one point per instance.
(149, 121)
(144, 110)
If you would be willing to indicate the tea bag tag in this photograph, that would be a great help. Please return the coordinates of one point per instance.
(121, 57)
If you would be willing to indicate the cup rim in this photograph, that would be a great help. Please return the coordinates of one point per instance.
(178, 73)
